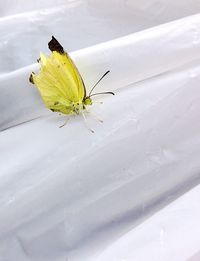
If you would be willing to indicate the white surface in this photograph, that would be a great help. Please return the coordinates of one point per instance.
(171, 234)
(26, 26)
(69, 194)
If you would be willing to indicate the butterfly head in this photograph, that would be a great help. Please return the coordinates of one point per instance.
(80, 106)
(87, 101)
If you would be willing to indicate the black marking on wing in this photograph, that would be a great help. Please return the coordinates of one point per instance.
(54, 45)
(31, 78)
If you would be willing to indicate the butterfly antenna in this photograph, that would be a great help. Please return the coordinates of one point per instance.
(101, 93)
(97, 83)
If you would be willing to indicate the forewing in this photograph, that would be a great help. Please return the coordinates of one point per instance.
(68, 68)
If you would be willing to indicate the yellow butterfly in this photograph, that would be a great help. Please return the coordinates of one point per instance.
(60, 83)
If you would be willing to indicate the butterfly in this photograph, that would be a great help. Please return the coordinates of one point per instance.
(60, 83)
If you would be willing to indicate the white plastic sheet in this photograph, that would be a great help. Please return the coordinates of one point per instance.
(67, 194)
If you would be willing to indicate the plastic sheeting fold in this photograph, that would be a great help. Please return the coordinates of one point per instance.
(67, 194)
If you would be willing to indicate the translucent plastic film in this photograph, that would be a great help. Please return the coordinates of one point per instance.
(67, 193)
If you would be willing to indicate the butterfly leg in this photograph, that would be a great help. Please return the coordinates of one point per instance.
(64, 123)
(94, 115)
(86, 123)
(97, 102)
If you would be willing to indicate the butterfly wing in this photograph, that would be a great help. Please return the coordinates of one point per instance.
(59, 81)
(65, 59)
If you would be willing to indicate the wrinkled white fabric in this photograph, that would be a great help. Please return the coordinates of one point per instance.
(68, 194)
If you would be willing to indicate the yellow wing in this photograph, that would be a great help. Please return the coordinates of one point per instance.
(59, 81)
